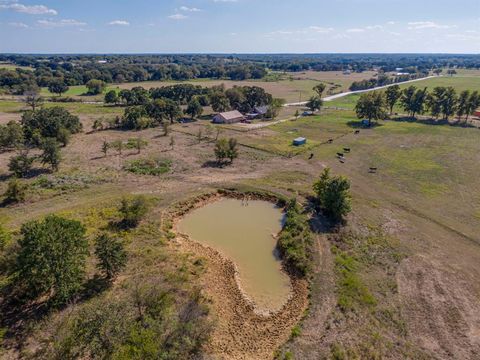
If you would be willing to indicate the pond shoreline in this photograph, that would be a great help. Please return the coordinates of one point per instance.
(243, 328)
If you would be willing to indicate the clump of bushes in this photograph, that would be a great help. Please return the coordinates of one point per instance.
(149, 321)
(133, 211)
(16, 192)
(149, 166)
(295, 240)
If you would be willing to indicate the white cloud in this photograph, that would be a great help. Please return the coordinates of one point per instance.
(60, 23)
(417, 25)
(374, 27)
(19, 25)
(29, 9)
(178, 17)
(320, 29)
(188, 9)
(355, 30)
(119, 23)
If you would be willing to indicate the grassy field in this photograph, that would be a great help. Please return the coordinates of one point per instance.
(9, 66)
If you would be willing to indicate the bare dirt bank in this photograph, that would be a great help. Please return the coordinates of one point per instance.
(241, 332)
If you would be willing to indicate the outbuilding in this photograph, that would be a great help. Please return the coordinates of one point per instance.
(229, 117)
(299, 141)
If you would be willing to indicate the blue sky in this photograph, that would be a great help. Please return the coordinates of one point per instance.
(242, 26)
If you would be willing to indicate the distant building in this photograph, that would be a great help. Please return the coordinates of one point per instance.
(102, 61)
(229, 117)
(299, 141)
(259, 112)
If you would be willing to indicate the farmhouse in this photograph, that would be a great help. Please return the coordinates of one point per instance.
(259, 112)
(229, 117)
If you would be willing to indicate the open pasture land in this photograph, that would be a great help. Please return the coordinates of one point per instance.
(9, 66)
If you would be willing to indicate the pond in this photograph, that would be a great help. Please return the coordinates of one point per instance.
(245, 233)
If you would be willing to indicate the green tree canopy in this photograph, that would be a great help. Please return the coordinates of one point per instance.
(315, 103)
(392, 95)
(333, 195)
(51, 258)
(51, 153)
(49, 122)
(371, 106)
(194, 108)
(57, 86)
(95, 87)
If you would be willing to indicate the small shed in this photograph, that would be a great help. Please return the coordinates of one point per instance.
(299, 141)
(229, 117)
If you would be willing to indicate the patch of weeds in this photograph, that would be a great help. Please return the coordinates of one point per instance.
(152, 167)
(352, 291)
(65, 182)
(296, 332)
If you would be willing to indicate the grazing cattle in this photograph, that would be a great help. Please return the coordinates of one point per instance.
(342, 160)
(311, 156)
(357, 132)
(372, 170)
(346, 149)
(340, 155)
(330, 141)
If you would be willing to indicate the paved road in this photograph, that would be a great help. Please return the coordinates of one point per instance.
(337, 96)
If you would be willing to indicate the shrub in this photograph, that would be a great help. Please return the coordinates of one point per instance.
(133, 211)
(149, 322)
(154, 167)
(111, 255)
(16, 192)
(51, 258)
(11, 135)
(21, 164)
(295, 241)
(63, 136)
(333, 195)
(226, 149)
(51, 153)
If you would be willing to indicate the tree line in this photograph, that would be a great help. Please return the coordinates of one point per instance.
(441, 102)
(53, 73)
(384, 79)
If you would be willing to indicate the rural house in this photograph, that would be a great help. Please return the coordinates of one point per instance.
(259, 112)
(229, 117)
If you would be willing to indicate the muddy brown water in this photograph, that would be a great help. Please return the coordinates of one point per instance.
(245, 233)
